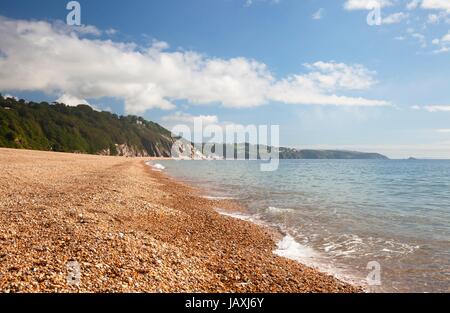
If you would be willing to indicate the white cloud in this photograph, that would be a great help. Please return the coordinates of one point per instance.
(198, 131)
(442, 43)
(317, 86)
(8, 96)
(446, 38)
(180, 117)
(437, 108)
(433, 108)
(413, 4)
(422, 20)
(421, 39)
(319, 14)
(394, 18)
(249, 3)
(442, 50)
(111, 31)
(433, 19)
(82, 30)
(75, 101)
(436, 18)
(366, 4)
(39, 56)
(71, 100)
(436, 4)
(332, 75)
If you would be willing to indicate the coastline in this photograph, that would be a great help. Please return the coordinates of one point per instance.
(285, 245)
(131, 229)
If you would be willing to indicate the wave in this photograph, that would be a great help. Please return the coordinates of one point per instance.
(218, 198)
(159, 166)
(156, 167)
(351, 245)
(291, 249)
(239, 216)
(275, 210)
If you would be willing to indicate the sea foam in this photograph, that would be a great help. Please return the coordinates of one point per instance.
(239, 216)
(158, 166)
(275, 210)
(218, 198)
(289, 248)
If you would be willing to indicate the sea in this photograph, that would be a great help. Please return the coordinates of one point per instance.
(380, 224)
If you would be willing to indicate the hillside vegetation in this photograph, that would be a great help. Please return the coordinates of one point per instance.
(289, 153)
(80, 129)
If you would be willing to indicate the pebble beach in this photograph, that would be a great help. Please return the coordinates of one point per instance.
(130, 228)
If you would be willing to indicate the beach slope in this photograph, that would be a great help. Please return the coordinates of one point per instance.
(129, 228)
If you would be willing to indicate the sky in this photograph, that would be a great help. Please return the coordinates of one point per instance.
(366, 75)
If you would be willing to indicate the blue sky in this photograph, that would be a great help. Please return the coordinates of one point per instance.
(314, 67)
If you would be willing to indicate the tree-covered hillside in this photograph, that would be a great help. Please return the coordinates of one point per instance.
(57, 127)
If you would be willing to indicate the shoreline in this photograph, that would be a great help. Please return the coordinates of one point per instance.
(286, 246)
(131, 229)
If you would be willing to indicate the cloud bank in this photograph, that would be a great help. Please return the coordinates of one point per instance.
(351, 5)
(59, 60)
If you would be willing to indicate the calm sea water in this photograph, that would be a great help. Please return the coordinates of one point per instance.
(339, 215)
